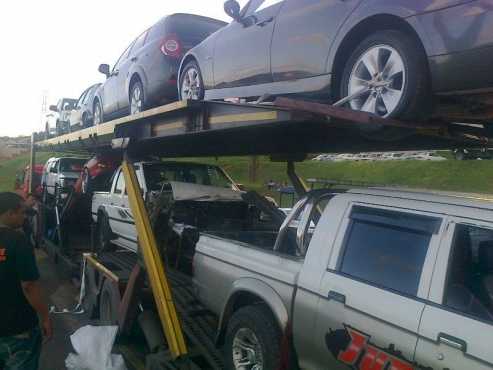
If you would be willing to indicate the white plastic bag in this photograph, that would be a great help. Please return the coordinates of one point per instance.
(93, 345)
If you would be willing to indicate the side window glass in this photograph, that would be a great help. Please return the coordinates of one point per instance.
(122, 58)
(139, 42)
(120, 184)
(387, 248)
(81, 99)
(156, 32)
(469, 286)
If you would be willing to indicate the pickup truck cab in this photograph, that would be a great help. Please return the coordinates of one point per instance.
(369, 279)
(198, 188)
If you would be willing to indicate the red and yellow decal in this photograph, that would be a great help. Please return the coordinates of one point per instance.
(353, 348)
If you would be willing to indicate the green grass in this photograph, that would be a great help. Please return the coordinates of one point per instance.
(9, 169)
(462, 176)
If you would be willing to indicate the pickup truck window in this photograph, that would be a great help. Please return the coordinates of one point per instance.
(387, 248)
(120, 184)
(469, 287)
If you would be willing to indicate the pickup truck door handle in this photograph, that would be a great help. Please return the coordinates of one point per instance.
(338, 297)
(452, 342)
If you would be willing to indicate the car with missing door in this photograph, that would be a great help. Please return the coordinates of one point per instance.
(204, 195)
(391, 57)
(356, 279)
(145, 74)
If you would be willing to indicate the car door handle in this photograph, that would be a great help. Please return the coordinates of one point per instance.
(265, 22)
(338, 297)
(453, 342)
(134, 59)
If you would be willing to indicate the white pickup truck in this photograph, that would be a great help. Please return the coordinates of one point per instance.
(364, 279)
(206, 195)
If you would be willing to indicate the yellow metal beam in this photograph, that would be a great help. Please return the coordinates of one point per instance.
(154, 266)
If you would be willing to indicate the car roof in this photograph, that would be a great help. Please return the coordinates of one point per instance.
(212, 20)
(483, 201)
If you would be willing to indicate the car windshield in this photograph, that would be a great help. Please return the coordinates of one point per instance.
(158, 174)
(71, 164)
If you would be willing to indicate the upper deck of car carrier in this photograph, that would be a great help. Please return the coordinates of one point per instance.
(286, 126)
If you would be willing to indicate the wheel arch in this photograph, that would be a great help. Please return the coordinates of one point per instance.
(358, 33)
(246, 292)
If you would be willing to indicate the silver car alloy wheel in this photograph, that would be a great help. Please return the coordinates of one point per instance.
(377, 81)
(136, 102)
(247, 351)
(97, 114)
(191, 85)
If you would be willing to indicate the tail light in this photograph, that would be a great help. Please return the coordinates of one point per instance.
(171, 46)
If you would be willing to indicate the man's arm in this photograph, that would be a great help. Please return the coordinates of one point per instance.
(32, 292)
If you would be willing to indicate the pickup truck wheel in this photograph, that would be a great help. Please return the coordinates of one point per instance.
(103, 235)
(109, 303)
(253, 340)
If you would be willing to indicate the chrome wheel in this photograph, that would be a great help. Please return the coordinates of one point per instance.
(136, 100)
(247, 351)
(191, 85)
(377, 81)
(97, 114)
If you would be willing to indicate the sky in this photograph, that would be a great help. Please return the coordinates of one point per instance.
(54, 47)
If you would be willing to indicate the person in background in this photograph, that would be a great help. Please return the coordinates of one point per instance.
(21, 300)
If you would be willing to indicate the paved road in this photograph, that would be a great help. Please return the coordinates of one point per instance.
(62, 293)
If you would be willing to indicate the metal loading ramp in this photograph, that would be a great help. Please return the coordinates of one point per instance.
(190, 128)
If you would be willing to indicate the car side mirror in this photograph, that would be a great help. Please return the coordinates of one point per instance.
(53, 108)
(53, 170)
(104, 69)
(233, 9)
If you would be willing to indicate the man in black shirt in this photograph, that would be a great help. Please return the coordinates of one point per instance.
(20, 295)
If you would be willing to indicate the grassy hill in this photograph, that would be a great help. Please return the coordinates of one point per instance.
(463, 176)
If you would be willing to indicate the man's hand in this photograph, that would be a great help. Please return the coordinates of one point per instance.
(47, 329)
(32, 292)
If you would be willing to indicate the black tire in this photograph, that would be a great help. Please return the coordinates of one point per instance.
(109, 303)
(261, 322)
(103, 235)
(137, 84)
(97, 109)
(460, 155)
(86, 122)
(201, 91)
(415, 101)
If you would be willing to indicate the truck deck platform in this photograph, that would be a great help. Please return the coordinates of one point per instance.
(208, 128)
